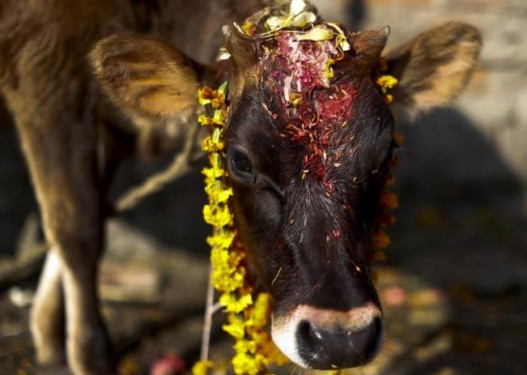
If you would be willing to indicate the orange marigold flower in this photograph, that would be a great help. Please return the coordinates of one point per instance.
(386, 220)
(398, 138)
(205, 95)
(380, 240)
(379, 256)
(395, 161)
(203, 119)
(390, 182)
(389, 201)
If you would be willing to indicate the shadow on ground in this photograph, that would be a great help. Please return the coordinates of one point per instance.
(460, 236)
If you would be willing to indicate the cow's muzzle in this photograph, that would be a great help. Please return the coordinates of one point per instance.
(326, 339)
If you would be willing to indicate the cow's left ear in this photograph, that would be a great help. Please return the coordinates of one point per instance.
(148, 79)
(434, 67)
(153, 83)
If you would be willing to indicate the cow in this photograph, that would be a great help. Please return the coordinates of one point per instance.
(307, 156)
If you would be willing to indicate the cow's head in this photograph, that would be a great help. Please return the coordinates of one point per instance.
(308, 145)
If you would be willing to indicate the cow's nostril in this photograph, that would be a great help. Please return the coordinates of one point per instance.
(335, 348)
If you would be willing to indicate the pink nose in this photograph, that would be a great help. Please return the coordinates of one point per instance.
(325, 348)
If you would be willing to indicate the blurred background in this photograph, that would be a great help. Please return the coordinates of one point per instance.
(454, 284)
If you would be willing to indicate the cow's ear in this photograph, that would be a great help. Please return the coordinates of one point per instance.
(434, 67)
(148, 79)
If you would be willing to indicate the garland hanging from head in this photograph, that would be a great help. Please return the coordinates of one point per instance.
(389, 200)
(247, 316)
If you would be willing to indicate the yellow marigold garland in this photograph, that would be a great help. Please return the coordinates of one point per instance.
(387, 82)
(389, 201)
(247, 319)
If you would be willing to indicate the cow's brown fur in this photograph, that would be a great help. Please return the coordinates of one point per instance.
(47, 86)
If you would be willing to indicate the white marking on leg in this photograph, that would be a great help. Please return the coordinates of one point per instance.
(47, 310)
(87, 344)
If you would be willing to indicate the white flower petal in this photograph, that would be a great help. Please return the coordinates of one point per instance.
(297, 7)
(318, 33)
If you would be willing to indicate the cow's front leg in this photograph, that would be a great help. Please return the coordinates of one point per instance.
(88, 346)
(47, 314)
(74, 227)
(73, 222)
(60, 151)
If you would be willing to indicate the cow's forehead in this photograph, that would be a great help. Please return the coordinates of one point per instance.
(301, 71)
(312, 108)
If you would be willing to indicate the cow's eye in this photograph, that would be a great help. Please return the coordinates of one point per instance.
(240, 164)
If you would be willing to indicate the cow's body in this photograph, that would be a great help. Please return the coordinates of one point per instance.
(290, 211)
(53, 97)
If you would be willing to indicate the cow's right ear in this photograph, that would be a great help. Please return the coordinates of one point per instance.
(148, 79)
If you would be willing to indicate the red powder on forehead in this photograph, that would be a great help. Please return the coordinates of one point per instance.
(317, 126)
(313, 109)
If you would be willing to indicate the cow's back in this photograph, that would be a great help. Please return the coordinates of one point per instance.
(48, 35)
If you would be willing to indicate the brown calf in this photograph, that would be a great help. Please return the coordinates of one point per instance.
(305, 198)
